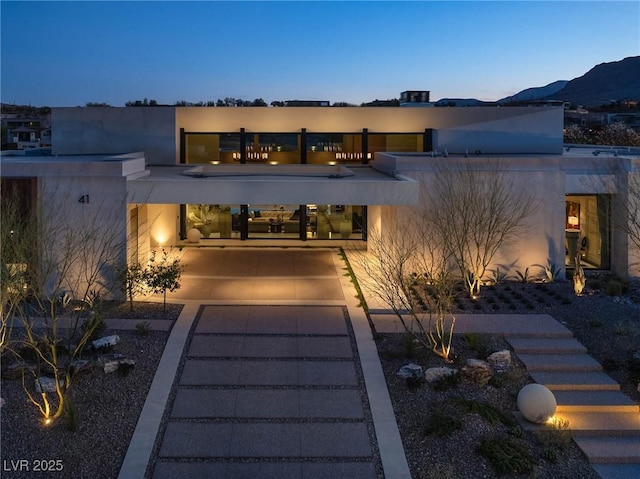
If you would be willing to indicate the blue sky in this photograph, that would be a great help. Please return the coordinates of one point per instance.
(71, 53)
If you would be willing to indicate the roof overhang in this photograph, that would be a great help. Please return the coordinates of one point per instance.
(281, 184)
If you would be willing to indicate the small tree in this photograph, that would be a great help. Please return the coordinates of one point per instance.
(163, 274)
(410, 273)
(132, 281)
(476, 209)
(63, 281)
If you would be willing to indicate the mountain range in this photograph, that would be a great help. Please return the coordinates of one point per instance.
(603, 84)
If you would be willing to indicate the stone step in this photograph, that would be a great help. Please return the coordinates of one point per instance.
(600, 424)
(611, 450)
(597, 401)
(547, 346)
(559, 362)
(603, 423)
(575, 381)
(617, 471)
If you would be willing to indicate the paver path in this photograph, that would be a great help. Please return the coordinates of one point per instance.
(269, 391)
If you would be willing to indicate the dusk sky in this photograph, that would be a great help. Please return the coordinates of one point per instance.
(71, 53)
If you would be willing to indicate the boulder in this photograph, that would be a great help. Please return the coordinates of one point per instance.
(437, 374)
(480, 372)
(80, 365)
(46, 384)
(500, 360)
(113, 362)
(411, 370)
(16, 370)
(106, 342)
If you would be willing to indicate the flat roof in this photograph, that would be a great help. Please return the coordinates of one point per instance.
(286, 184)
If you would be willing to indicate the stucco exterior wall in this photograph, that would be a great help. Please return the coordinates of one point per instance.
(90, 231)
(107, 130)
(539, 241)
(156, 130)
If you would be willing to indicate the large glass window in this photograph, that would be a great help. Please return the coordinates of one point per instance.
(274, 221)
(335, 221)
(334, 148)
(588, 231)
(396, 142)
(212, 147)
(214, 221)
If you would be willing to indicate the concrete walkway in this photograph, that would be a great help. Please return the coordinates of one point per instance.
(278, 378)
(268, 389)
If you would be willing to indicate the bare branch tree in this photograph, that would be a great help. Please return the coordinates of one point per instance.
(70, 260)
(477, 209)
(410, 273)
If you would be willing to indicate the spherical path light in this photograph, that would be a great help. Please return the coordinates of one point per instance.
(194, 235)
(536, 403)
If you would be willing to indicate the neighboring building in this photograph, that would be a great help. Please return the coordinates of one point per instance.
(23, 133)
(320, 175)
(414, 96)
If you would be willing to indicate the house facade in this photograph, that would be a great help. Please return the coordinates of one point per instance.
(318, 176)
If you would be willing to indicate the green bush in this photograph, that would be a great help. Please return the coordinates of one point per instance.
(506, 455)
(614, 287)
(441, 424)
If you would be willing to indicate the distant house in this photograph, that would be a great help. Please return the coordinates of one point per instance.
(24, 133)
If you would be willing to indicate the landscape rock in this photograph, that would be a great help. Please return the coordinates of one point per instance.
(47, 384)
(113, 362)
(478, 371)
(16, 370)
(80, 365)
(106, 342)
(411, 370)
(437, 374)
(500, 360)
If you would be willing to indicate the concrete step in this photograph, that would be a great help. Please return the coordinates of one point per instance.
(603, 423)
(575, 381)
(596, 401)
(546, 346)
(559, 362)
(611, 450)
(600, 424)
(617, 471)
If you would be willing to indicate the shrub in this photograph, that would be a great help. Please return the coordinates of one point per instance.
(94, 326)
(143, 328)
(614, 288)
(441, 424)
(506, 455)
(71, 415)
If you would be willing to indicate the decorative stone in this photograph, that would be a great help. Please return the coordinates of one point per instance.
(47, 384)
(536, 403)
(113, 362)
(478, 371)
(500, 360)
(411, 370)
(106, 342)
(80, 365)
(436, 374)
(16, 370)
(194, 235)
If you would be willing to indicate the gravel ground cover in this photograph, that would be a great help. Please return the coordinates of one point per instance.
(108, 406)
(441, 431)
(609, 326)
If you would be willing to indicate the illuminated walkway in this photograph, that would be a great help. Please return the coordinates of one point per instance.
(270, 371)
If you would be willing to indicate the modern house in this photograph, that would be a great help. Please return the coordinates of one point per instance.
(318, 176)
